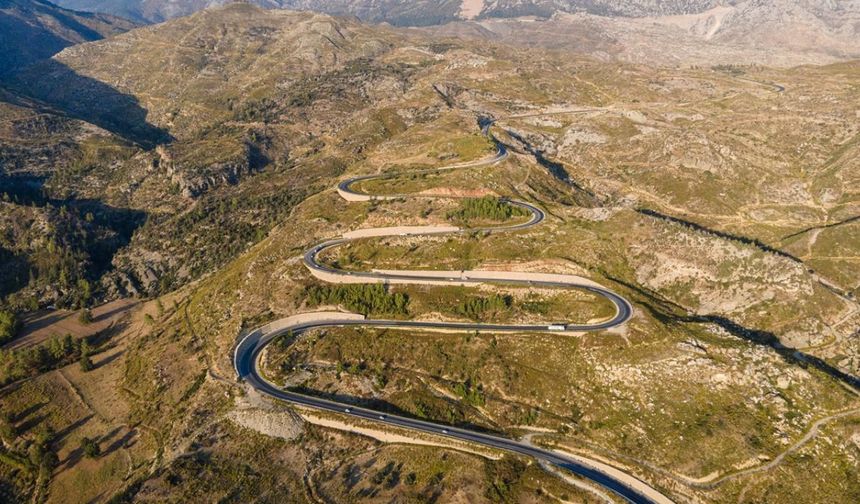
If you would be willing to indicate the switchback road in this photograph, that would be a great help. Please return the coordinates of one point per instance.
(249, 348)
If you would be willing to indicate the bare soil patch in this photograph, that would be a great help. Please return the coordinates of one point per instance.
(39, 326)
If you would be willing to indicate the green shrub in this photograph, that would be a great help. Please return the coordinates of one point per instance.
(487, 207)
(361, 298)
(8, 432)
(9, 326)
(470, 392)
(86, 362)
(503, 477)
(477, 308)
(90, 447)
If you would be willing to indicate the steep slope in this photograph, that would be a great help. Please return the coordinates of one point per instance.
(33, 30)
(55, 237)
(795, 24)
(143, 11)
(201, 70)
(204, 124)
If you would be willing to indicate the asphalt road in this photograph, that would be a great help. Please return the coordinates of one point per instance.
(248, 350)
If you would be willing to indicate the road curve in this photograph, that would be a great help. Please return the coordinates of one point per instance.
(248, 350)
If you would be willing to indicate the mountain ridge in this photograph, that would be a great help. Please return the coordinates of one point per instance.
(406, 13)
(33, 30)
(785, 32)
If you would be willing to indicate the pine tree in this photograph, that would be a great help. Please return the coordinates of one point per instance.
(86, 362)
(90, 447)
(55, 348)
(7, 428)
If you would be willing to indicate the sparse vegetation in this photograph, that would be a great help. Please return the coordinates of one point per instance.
(730, 69)
(503, 477)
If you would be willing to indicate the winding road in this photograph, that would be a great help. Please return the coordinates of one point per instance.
(249, 348)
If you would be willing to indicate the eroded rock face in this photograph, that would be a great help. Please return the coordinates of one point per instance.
(193, 181)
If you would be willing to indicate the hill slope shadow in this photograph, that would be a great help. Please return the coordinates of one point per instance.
(91, 100)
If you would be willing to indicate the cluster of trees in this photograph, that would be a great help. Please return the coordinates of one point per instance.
(361, 298)
(354, 368)
(476, 308)
(730, 69)
(56, 352)
(15, 272)
(9, 325)
(265, 110)
(487, 207)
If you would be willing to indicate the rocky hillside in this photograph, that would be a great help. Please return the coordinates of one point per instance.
(33, 30)
(420, 12)
(56, 238)
(186, 75)
(198, 132)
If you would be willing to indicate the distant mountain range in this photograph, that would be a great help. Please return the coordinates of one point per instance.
(769, 32)
(31, 30)
(406, 12)
(780, 32)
